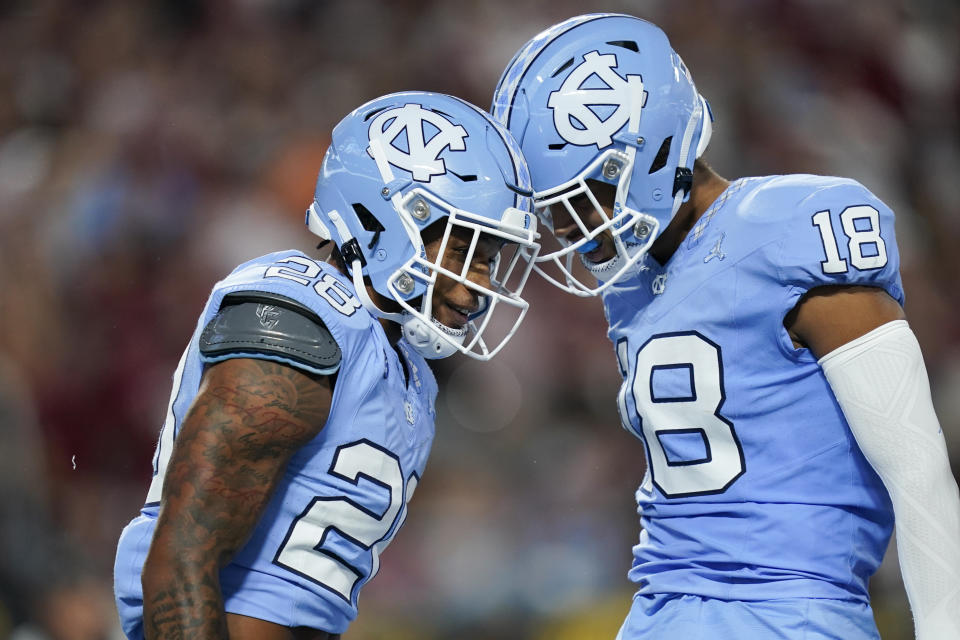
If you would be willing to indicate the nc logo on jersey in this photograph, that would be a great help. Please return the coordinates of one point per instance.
(575, 120)
(659, 284)
(412, 138)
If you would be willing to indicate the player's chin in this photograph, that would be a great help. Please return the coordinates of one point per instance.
(598, 249)
(597, 257)
(603, 253)
(452, 317)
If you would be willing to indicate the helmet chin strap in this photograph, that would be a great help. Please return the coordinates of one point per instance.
(357, 273)
(426, 338)
(600, 269)
(628, 257)
(698, 120)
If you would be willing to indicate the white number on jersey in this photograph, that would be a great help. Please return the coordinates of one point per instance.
(327, 287)
(868, 237)
(303, 549)
(692, 414)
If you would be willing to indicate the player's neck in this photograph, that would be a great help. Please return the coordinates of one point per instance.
(392, 330)
(707, 187)
(390, 327)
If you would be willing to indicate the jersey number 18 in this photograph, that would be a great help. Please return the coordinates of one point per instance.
(677, 388)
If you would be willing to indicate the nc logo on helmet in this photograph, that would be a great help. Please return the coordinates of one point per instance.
(575, 121)
(401, 133)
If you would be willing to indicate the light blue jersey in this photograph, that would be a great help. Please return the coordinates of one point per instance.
(756, 488)
(342, 497)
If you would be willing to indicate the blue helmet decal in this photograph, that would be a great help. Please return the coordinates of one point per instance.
(517, 177)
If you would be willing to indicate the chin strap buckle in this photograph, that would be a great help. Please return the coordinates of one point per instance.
(683, 181)
(350, 250)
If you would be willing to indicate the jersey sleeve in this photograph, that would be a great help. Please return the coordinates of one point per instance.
(840, 234)
(311, 304)
(270, 327)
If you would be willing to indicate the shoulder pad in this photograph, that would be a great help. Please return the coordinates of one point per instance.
(838, 234)
(259, 324)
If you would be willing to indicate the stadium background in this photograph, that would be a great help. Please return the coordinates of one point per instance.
(148, 147)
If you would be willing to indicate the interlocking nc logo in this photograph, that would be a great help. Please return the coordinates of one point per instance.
(408, 124)
(571, 104)
(659, 284)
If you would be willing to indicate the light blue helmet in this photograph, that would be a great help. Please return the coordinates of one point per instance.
(401, 163)
(604, 97)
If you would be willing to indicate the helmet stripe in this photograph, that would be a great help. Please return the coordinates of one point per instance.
(521, 174)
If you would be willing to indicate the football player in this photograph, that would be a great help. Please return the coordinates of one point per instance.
(767, 363)
(302, 410)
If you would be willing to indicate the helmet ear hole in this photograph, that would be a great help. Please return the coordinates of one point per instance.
(369, 222)
(660, 160)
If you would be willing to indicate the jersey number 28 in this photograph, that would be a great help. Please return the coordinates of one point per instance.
(307, 549)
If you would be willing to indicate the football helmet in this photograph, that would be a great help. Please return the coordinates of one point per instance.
(403, 162)
(604, 97)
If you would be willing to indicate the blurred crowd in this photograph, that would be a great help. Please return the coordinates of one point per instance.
(148, 147)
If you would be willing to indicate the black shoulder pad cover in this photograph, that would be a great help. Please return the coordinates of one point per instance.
(259, 324)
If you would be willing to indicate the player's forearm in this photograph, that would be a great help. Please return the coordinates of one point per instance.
(181, 600)
(881, 384)
(202, 525)
(926, 509)
(929, 563)
(247, 420)
(198, 532)
(208, 511)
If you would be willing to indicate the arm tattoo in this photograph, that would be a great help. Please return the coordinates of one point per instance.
(249, 417)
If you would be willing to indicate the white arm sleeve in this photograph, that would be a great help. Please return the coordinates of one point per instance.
(881, 384)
